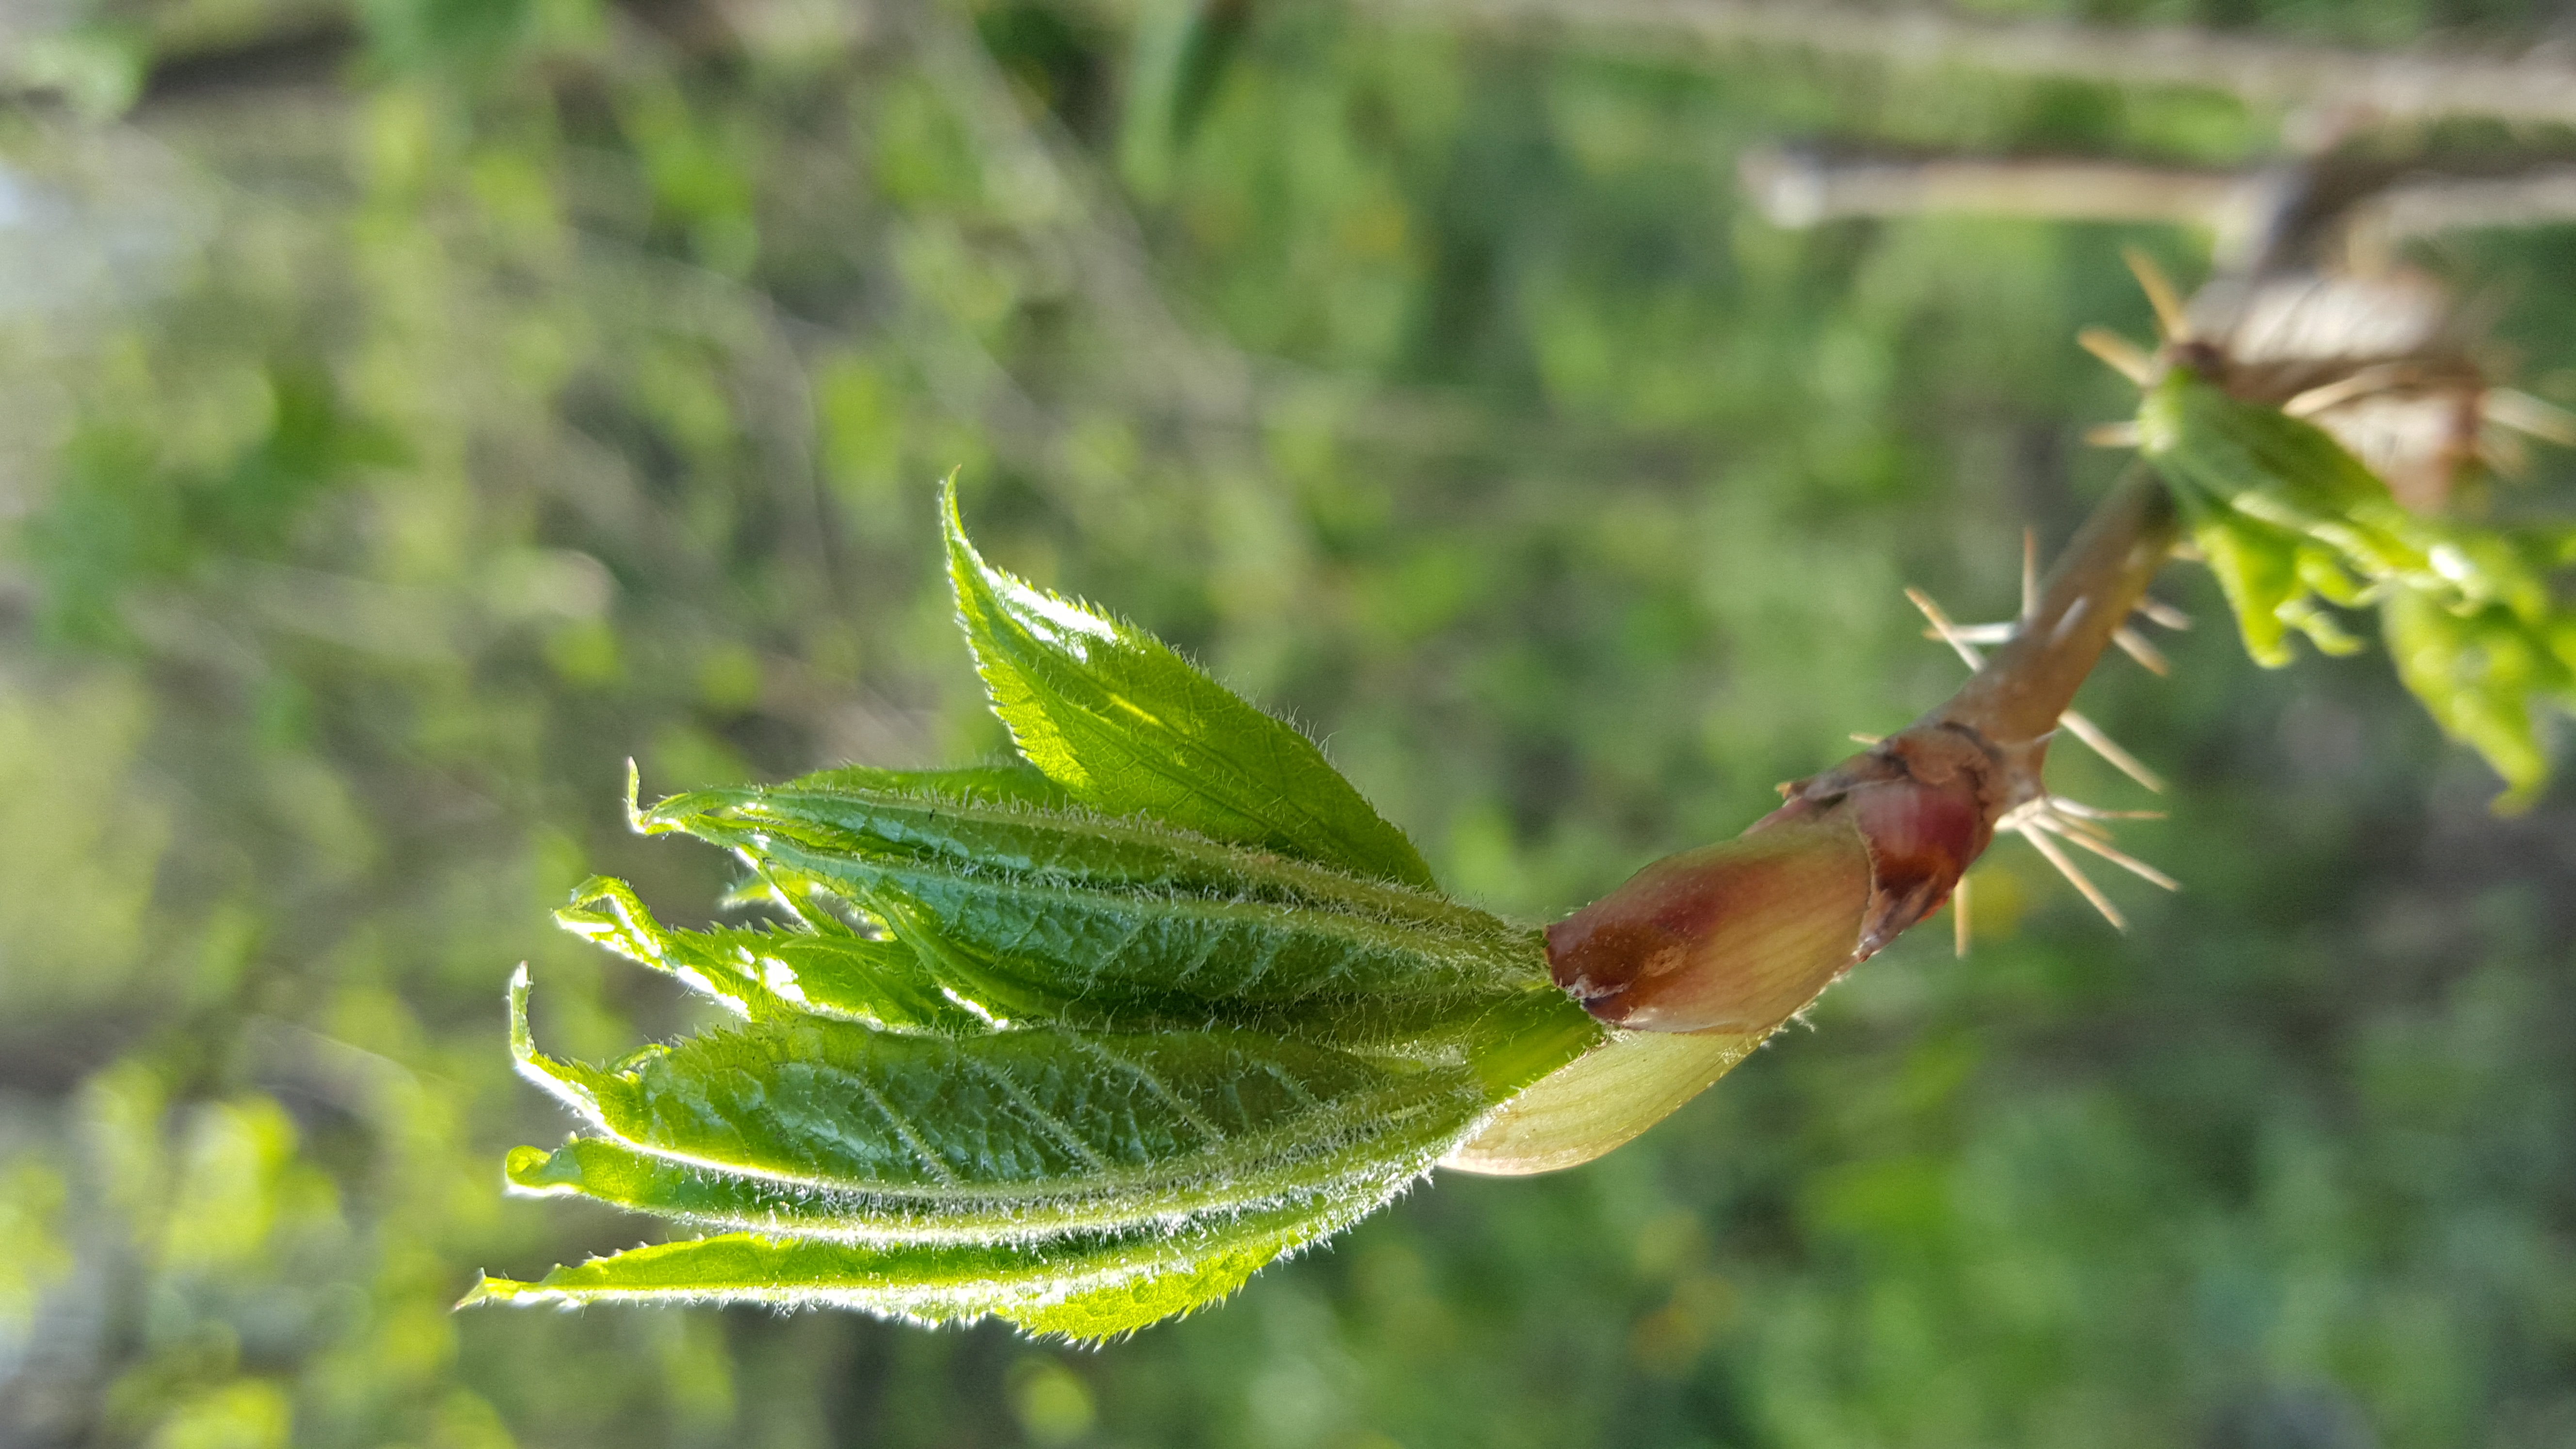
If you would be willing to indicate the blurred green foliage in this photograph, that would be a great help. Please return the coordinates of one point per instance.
(411, 410)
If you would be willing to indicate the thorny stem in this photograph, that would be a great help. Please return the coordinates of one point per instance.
(1929, 799)
(1735, 937)
(2015, 699)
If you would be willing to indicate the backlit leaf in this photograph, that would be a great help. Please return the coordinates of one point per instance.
(1091, 1287)
(1051, 1042)
(1018, 1128)
(1128, 727)
(1030, 911)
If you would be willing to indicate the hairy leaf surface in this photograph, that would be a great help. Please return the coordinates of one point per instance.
(1081, 1040)
(1166, 1122)
(826, 969)
(1128, 727)
(1086, 1287)
(1031, 912)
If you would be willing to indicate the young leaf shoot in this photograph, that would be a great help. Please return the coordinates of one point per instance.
(1080, 1041)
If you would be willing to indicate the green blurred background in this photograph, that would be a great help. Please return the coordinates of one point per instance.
(412, 409)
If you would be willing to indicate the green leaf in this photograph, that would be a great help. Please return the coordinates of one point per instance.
(1081, 1042)
(2256, 461)
(1087, 1288)
(2480, 672)
(2290, 522)
(2257, 569)
(827, 969)
(2282, 513)
(1053, 913)
(1011, 780)
(1020, 1131)
(1073, 846)
(1077, 1183)
(1128, 727)
(621, 1175)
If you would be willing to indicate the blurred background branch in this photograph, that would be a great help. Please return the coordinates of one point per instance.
(2423, 81)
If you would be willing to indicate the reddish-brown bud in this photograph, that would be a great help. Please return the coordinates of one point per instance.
(1926, 801)
(1706, 953)
(1738, 937)
(1730, 937)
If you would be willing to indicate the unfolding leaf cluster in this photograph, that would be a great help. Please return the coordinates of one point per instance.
(2292, 523)
(1081, 1040)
